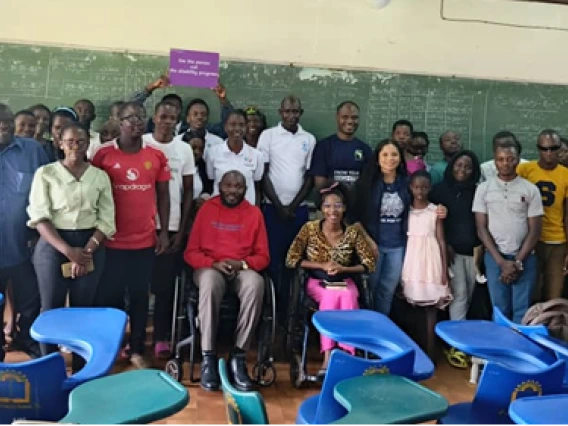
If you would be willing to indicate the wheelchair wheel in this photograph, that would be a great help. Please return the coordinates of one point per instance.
(264, 373)
(296, 373)
(174, 368)
(293, 328)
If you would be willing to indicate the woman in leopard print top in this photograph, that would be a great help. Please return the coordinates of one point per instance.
(331, 252)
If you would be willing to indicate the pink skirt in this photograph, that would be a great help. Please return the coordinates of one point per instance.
(333, 300)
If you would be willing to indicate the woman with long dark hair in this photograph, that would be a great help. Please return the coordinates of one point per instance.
(381, 206)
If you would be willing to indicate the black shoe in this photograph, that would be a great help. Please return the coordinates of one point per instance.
(238, 372)
(30, 348)
(209, 372)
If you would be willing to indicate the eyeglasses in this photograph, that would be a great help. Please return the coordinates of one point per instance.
(80, 142)
(337, 206)
(548, 148)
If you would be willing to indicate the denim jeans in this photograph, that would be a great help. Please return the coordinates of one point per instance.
(512, 299)
(386, 277)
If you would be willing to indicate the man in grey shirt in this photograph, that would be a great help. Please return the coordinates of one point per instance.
(508, 214)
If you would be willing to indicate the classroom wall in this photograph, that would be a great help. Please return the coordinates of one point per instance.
(406, 36)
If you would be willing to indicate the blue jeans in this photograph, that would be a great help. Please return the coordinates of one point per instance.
(512, 299)
(281, 233)
(386, 277)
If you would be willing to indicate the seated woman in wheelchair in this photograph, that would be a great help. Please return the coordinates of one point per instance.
(326, 249)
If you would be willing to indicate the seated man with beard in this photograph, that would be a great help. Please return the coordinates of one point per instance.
(228, 247)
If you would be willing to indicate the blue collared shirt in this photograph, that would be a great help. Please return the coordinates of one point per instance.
(18, 163)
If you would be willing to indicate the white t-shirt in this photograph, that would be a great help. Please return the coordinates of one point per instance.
(489, 170)
(181, 162)
(94, 143)
(289, 156)
(220, 160)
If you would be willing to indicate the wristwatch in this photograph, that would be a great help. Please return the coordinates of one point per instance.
(245, 266)
(519, 265)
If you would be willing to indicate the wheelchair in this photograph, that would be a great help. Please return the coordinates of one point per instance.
(300, 309)
(185, 330)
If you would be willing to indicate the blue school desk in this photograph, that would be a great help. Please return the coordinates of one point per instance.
(95, 334)
(39, 389)
(516, 368)
(374, 332)
(133, 397)
(550, 409)
(538, 334)
(387, 399)
(495, 343)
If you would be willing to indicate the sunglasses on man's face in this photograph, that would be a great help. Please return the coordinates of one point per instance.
(548, 148)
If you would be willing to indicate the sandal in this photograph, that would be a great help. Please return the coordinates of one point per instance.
(162, 350)
(457, 359)
(125, 352)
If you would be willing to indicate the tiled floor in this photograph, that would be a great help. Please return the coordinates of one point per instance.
(282, 400)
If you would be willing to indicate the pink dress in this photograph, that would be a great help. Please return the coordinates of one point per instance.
(422, 270)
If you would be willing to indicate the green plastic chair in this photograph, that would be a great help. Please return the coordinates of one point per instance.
(388, 399)
(133, 397)
(243, 408)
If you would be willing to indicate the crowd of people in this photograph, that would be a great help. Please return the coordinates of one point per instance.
(106, 218)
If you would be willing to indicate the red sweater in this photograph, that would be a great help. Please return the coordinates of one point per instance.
(221, 232)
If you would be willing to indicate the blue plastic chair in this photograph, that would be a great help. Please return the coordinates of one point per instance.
(498, 387)
(373, 332)
(516, 367)
(95, 334)
(33, 390)
(495, 343)
(243, 408)
(323, 408)
(550, 409)
(527, 330)
(538, 334)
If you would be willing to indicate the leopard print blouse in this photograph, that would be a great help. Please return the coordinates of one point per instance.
(311, 244)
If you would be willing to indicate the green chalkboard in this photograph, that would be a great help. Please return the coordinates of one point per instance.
(476, 108)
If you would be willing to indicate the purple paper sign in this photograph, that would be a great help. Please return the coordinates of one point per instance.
(195, 69)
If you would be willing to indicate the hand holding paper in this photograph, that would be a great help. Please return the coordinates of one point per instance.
(194, 69)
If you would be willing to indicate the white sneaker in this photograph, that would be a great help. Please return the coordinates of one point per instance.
(138, 361)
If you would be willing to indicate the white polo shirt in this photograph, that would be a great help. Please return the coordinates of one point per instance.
(289, 156)
(220, 160)
(197, 185)
(181, 162)
(211, 140)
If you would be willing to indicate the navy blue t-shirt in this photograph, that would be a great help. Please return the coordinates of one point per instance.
(391, 234)
(340, 160)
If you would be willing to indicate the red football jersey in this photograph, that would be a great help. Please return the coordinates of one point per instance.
(133, 177)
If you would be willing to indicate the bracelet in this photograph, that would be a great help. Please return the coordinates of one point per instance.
(94, 240)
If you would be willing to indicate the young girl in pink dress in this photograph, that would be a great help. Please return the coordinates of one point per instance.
(425, 270)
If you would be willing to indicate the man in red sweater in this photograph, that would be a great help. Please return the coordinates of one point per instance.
(228, 246)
